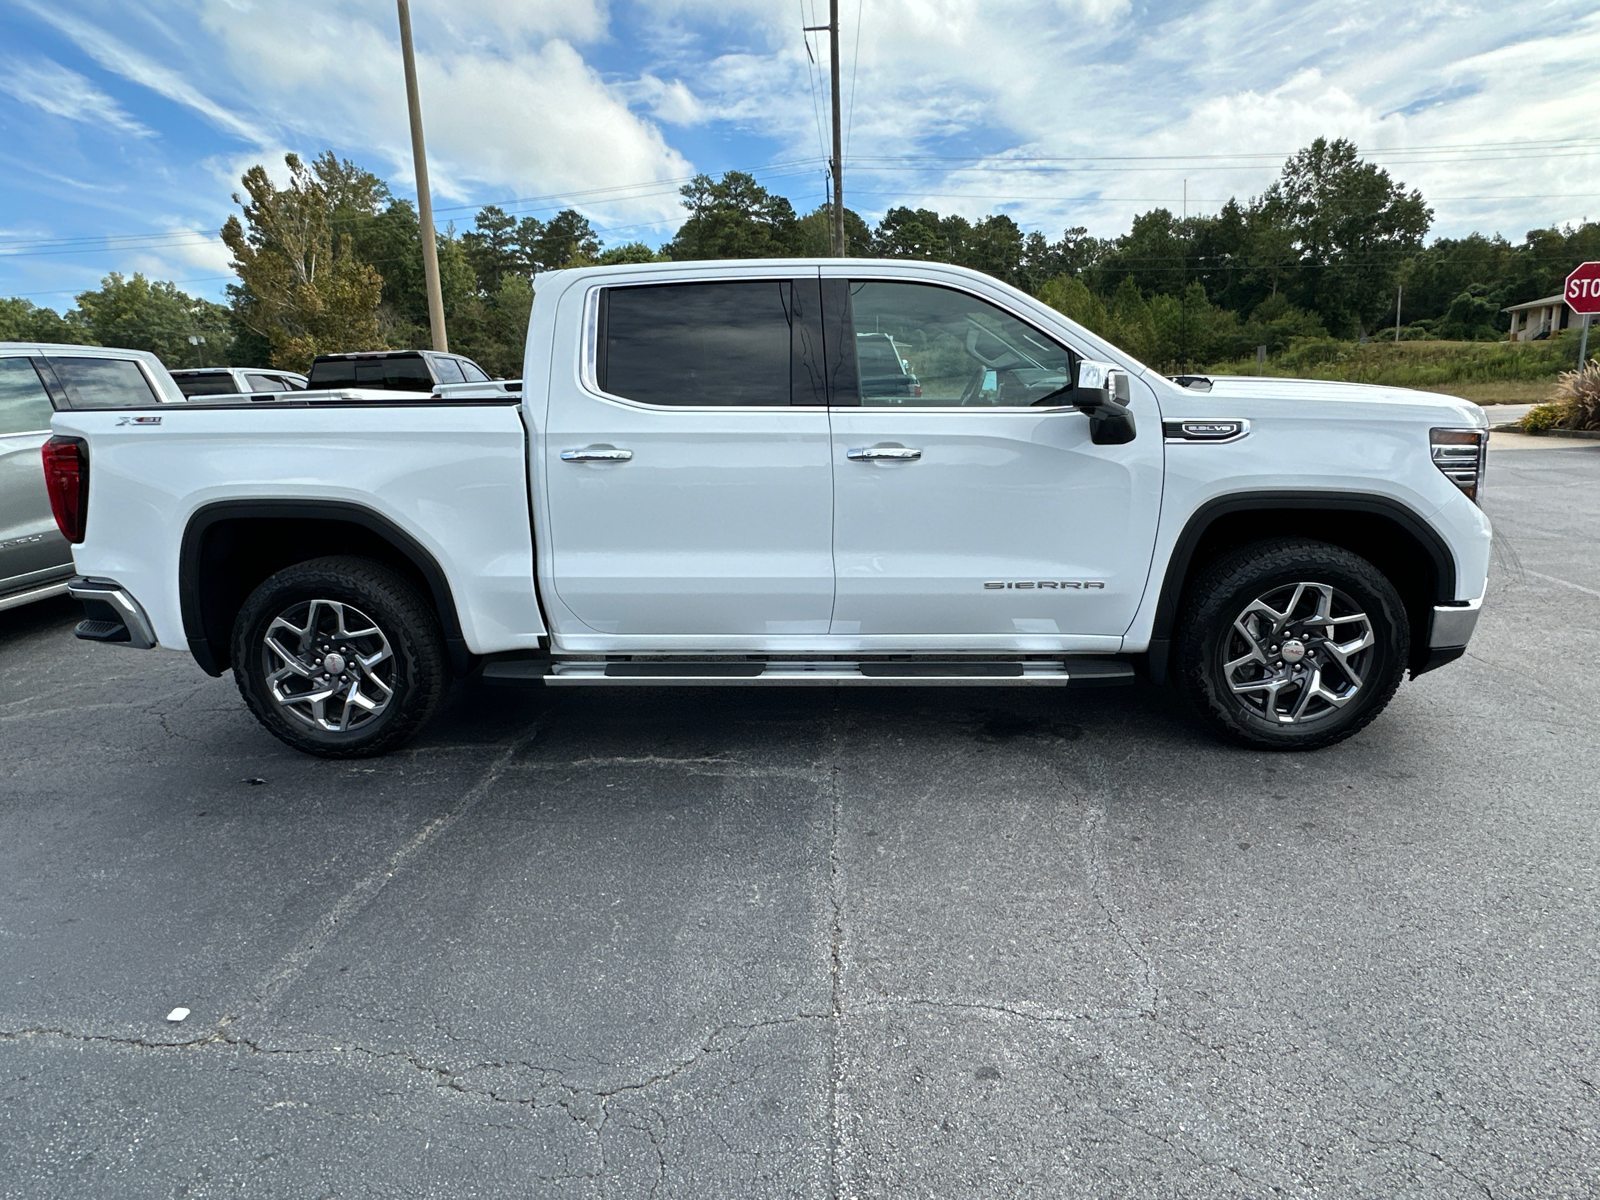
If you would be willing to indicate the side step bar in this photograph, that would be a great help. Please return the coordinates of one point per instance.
(1071, 672)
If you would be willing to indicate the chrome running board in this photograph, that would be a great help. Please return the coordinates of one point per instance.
(1070, 672)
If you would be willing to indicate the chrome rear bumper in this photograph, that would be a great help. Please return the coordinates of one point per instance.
(111, 614)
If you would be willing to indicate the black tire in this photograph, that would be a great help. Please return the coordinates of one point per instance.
(415, 671)
(1208, 639)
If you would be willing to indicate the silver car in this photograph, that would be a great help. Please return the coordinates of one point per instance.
(35, 380)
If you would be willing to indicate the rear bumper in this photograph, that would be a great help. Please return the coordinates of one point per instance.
(111, 614)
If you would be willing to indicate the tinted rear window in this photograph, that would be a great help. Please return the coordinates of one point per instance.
(103, 382)
(393, 374)
(697, 343)
(206, 385)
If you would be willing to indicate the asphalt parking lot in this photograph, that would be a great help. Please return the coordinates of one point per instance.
(747, 944)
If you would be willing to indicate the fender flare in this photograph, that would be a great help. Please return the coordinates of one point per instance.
(1194, 529)
(203, 518)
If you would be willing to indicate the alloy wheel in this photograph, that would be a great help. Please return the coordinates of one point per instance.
(328, 665)
(1298, 653)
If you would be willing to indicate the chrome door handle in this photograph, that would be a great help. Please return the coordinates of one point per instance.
(596, 454)
(893, 453)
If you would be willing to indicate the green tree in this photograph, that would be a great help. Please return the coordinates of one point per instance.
(137, 314)
(734, 217)
(911, 233)
(1353, 228)
(565, 240)
(629, 252)
(1071, 297)
(815, 234)
(491, 247)
(24, 321)
(302, 287)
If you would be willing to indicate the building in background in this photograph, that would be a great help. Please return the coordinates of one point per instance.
(1540, 318)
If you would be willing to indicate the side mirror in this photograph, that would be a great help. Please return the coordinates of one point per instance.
(1103, 392)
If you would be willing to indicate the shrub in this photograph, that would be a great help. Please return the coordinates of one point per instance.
(1578, 398)
(1545, 416)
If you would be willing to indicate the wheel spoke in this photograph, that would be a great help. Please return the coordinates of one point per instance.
(299, 649)
(1322, 619)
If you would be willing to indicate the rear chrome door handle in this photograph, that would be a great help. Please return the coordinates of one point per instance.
(596, 454)
(891, 453)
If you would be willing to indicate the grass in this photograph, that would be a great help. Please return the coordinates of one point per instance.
(1484, 372)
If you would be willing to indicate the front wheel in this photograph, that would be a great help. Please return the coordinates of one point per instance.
(1291, 645)
(339, 657)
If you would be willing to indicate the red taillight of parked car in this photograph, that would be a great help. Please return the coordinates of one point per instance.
(66, 477)
(916, 390)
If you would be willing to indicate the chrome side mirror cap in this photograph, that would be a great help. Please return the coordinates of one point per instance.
(1104, 393)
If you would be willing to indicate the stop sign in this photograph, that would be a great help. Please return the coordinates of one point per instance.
(1583, 289)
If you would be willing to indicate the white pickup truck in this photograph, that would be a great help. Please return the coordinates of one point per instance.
(698, 484)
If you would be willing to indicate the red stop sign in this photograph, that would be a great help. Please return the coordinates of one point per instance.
(1583, 289)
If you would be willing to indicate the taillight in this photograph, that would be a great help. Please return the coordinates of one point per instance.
(916, 390)
(66, 478)
(1462, 454)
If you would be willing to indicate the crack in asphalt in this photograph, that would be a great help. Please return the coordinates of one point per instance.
(294, 964)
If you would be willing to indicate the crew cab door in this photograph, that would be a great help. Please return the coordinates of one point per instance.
(687, 468)
(966, 515)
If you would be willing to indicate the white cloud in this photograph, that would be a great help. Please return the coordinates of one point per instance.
(116, 56)
(1086, 80)
(528, 115)
(62, 93)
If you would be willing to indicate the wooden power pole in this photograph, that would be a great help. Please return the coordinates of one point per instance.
(419, 156)
(832, 29)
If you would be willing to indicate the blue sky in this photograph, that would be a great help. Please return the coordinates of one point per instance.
(124, 126)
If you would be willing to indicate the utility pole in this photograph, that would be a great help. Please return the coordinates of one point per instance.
(1399, 294)
(419, 156)
(832, 29)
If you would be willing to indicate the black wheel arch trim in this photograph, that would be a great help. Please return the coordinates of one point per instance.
(189, 597)
(1194, 529)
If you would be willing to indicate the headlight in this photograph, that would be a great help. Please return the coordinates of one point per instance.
(1462, 454)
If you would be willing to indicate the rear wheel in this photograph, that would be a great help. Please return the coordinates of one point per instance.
(339, 657)
(1291, 645)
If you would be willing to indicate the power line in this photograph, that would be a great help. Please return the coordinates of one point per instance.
(855, 61)
(811, 72)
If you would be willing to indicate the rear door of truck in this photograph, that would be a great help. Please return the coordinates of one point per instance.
(686, 461)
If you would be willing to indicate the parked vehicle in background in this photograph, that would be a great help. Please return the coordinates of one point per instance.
(35, 381)
(883, 372)
(226, 381)
(394, 370)
(697, 488)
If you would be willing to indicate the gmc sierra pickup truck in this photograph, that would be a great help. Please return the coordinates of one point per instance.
(695, 487)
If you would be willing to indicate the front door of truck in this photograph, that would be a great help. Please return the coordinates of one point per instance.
(687, 469)
(964, 509)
